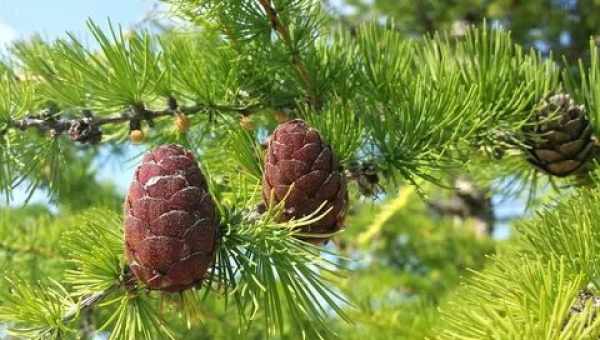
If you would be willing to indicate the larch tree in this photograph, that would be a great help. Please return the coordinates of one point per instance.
(297, 181)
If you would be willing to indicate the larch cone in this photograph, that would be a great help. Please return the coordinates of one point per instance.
(301, 166)
(170, 221)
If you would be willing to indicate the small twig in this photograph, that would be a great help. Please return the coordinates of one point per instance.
(59, 126)
(284, 33)
(87, 303)
(126, 281)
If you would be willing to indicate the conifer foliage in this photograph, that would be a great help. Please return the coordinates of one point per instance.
(266, 124)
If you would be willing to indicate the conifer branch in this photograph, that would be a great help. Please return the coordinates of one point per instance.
(284, 33)
(48, 122)
(87, 303)
(126, 282)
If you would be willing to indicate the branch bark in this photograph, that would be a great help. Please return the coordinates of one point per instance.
(87, 303)
(44, 122)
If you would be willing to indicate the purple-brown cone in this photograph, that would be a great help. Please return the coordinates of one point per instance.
(297, 155)
(170, 223)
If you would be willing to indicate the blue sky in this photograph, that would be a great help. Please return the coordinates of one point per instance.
(51, 18)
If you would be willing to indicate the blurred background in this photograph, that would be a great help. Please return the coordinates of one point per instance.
(407, 251)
